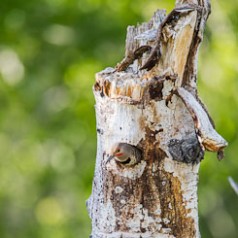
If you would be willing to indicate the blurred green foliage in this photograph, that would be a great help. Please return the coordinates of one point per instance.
(49, 53)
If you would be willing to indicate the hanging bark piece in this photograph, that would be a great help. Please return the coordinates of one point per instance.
(149, 102)
(209, 138)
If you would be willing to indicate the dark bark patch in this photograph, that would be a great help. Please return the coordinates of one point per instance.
(172, 206)
(100, 131)
(97, 87)
(169, 99)
(106, 88)
(187, 150)
(155, 89)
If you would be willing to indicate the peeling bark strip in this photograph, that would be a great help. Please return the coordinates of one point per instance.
(149, 108)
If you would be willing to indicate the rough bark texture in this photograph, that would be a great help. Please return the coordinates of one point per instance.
(156, 109)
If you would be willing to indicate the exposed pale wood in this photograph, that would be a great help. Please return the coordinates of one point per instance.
(159, 112)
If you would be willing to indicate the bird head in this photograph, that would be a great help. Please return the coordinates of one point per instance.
(119, 151)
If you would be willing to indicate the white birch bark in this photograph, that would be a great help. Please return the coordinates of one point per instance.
(159, 112)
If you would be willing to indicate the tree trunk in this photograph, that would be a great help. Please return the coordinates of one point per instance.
(150, 101)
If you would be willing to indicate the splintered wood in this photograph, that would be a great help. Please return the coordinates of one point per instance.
(149, 100)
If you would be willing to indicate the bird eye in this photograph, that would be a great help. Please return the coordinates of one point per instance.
(118, 150)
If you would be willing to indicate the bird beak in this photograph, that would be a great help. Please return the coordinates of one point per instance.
(110, 158)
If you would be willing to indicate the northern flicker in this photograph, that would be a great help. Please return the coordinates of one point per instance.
(125, 154)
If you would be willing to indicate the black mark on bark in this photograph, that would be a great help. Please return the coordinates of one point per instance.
(187, 150)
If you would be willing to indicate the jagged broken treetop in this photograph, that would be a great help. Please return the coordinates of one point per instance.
(162, 56)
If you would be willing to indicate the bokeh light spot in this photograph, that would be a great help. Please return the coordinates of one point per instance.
(11, 68)
(59, 35)
(49, 212)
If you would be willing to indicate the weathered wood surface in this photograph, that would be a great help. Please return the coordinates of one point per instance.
(159, 112)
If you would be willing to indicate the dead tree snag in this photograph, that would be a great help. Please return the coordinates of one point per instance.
(149, 102)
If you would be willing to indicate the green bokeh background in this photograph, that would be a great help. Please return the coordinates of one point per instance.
(50, 51)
